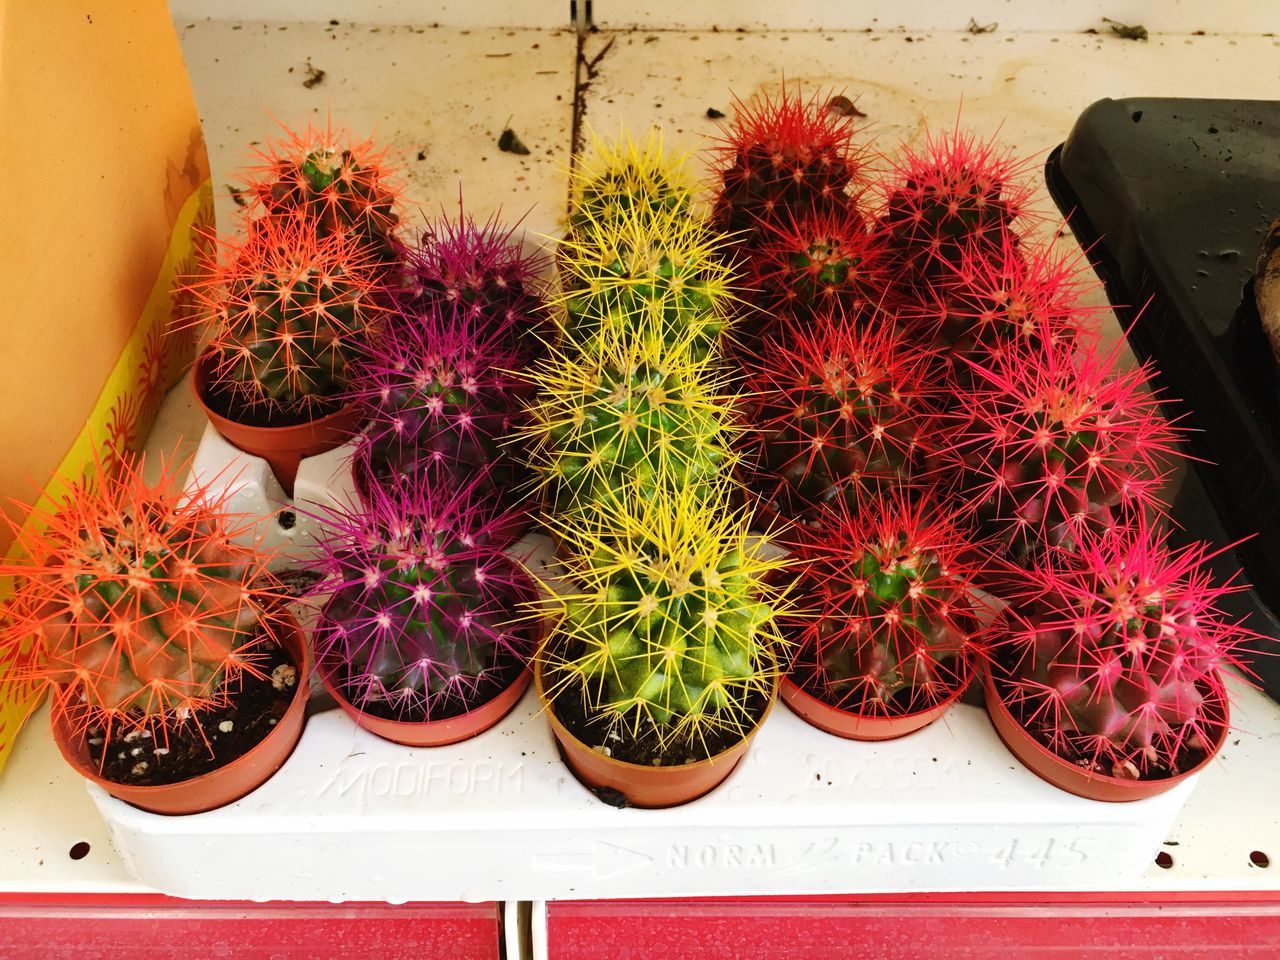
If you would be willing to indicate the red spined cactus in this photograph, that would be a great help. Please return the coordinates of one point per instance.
(1113, 654)
(951, 193)
(786, 153)
(886, 622)
(1054, 444)
(143, 606)
(814, 261)
(337, 185)
(833, 410)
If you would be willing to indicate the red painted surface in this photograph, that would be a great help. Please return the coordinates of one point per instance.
(973, 927)
(38, 927)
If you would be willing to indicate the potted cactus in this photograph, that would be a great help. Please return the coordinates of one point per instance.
(1054, 442)
(944, 198)
(782, 155)
(1108, 683)
(482, 272)
(288, 311)
(426, 637)
(626, 175)
(633, 410)
(178, 679)
(831, 410)
(665, 659)
(333, 184)
(440, 393)
(886, 630)
(645, 268)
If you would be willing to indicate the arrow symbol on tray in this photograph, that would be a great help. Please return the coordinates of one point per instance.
(604, 859)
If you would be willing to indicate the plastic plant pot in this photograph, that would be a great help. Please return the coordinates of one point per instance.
(644, 786)
(232, 780)
(282, 447)
(432, 733)
(1067, 776)
(852, 726)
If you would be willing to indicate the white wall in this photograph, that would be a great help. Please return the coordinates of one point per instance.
(1166, 16)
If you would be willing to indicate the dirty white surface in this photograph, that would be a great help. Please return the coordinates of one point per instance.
(449, 92)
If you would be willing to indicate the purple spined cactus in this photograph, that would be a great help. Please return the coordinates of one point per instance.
(484, 272)
(441, 397)
(427, 617)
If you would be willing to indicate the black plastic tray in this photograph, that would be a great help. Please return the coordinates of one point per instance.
(1172, 198)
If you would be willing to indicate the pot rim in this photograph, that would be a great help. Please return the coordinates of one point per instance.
(71, 750)
(793, 688)
(561, 731)
(1144, 786)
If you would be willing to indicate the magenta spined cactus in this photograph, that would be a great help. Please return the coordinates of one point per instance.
(483, 272)
(427, 615)
(441, 397)
(950, 193)
(1011, 296)
(1054, 444)
(1113, 656)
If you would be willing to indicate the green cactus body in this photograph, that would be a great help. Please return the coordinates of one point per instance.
(669, 624)
(634, 416)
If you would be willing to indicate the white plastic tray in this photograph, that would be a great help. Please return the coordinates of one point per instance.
(352, 817)
(324, 482)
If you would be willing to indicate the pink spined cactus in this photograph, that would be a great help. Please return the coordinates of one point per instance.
(1053, 444)
(1114, 654)
(948, 194)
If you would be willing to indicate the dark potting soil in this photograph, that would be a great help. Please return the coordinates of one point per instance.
(646, 750)
(210, 739)
(1191, 754)
(509, 672)
(223, 403)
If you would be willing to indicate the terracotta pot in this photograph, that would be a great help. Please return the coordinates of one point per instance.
(433, 733)
(439, 733)
(232, 780)
(282, 447)
(644, 786)
(1065, 775)
(852, 726)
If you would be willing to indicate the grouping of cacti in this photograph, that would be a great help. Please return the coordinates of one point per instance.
(142, 607)
(430, 618)
(928, 401)
(848, 424)
(667, 620)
